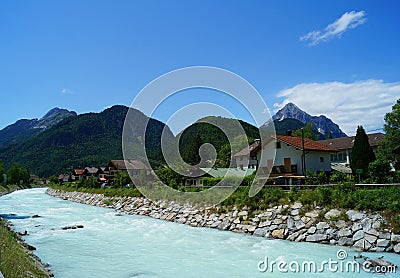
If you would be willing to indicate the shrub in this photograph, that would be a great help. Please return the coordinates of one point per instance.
(378, 171)
(396, 176)
(339, 177)
(325, 196)
(209, 182)
(316, 178)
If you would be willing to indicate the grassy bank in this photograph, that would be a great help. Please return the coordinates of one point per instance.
(109, 191)
(15, 260)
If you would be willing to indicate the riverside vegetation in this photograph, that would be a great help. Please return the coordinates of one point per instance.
(16, 260)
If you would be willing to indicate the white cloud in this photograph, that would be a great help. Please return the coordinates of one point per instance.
(66, 91)
(347, 21)
(361, 103)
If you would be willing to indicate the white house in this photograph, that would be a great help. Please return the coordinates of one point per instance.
(247, 158)
(288, 160)
(345, 146)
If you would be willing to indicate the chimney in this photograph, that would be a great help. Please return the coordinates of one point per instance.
(288, 133)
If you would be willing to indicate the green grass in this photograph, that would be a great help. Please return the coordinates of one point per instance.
(15, 260)
(109, 191)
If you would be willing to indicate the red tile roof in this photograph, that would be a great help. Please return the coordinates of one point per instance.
(309, 145)
(79, 171)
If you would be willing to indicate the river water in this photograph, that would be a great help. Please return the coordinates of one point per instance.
(111, 245)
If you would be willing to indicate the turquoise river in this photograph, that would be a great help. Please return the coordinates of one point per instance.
(111, 245)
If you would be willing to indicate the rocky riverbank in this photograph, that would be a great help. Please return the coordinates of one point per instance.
(361, 230)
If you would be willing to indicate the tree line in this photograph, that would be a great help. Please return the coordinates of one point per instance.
(16, 174)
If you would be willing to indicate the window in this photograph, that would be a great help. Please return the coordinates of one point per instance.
(321, 159)
(278, 145)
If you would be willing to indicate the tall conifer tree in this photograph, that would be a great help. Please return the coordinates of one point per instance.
(362, 153)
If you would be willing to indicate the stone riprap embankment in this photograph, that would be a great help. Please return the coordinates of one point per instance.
(360, 230)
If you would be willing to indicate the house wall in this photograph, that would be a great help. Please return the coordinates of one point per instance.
(242, 161)
(344, 156)
(194, 182)
(313, 159)
(245, 162)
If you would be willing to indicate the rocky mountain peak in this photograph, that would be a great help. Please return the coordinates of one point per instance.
(322, 124)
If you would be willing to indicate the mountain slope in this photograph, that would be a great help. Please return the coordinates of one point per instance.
(281, 126)
(90, 139)
(207, 132)
(322, 124)
(24, 129)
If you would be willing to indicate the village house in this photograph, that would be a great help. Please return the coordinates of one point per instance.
(66, 178)
(132, 167)
(291, 160)
(194, 177)
(198, 174)
(79, 174)
(345, 146)
(92, 172)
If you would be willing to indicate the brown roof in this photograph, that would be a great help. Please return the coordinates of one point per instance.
(79, 171)
(92, 170)
(250, 150)
(309, 145)
(348, 142)
(127, 164)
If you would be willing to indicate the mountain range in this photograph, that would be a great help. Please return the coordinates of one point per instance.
(24, 129)
(89, 139)
(63, 140)
(322, 124)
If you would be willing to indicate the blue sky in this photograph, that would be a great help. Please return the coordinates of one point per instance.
(338, 58)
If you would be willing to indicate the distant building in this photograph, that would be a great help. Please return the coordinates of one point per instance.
(79, 174)
(195, 175)
(132, 167)
(345, 146)
(92, 172)
(247, 158)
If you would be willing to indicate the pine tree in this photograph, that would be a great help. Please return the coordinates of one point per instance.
(308, 132)
(362, 153)
(192, 156)
(1, 171)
